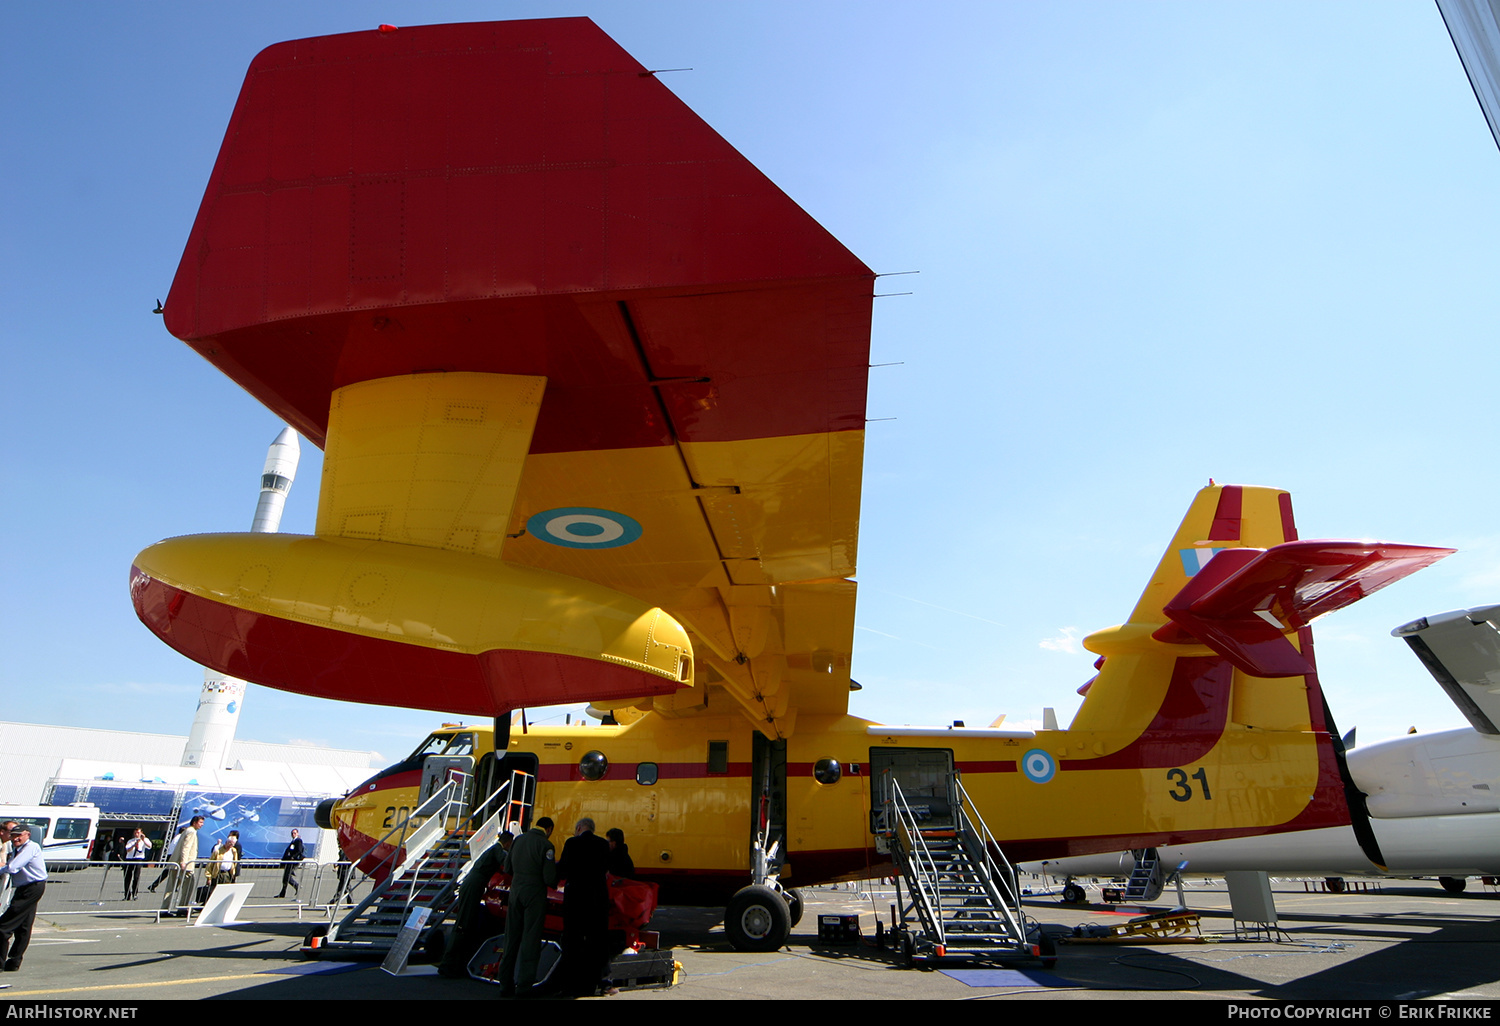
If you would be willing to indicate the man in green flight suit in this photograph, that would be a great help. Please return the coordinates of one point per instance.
(471, 923)
(532, 864)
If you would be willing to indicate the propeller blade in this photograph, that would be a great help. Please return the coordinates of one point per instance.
(1359, 813)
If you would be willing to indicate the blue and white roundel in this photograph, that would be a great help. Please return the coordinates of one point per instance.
(578, 527)
(1038, 766)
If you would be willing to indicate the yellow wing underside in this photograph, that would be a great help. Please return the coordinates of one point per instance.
(749, 544)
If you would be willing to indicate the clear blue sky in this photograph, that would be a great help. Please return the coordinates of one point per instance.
(1158, 243)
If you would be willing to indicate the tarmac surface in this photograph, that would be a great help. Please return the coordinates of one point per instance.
(1408, 941)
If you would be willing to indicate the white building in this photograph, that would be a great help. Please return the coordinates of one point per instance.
(268, 788)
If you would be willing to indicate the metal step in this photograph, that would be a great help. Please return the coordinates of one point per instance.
(961, 893)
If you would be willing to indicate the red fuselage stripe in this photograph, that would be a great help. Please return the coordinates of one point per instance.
(566, 772)
(1186, 727)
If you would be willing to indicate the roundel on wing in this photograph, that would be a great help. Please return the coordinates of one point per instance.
(1038, 766)
(579, 527)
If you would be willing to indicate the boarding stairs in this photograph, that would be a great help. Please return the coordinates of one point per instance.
(430, 851)
(1146, 880)
(961, 898)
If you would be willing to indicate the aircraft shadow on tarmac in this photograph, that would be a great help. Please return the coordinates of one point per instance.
(1456, 955)
(234, 952)
(250, 951)
(1422, 954)
(1412, 954)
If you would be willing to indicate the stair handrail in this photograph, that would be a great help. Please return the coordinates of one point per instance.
(417, 861)
(922, 871)
(438, 799)
(992, 861)
(458, 857)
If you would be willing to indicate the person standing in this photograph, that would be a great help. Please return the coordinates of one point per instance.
(471, 923)
(532, 865)
(344, 866)
(7, 891)
(291, 859)
(224, 863)
(184, 856)
(620, 862)
(239, 854)
(28, 872)
(585, 860)
(137, 851)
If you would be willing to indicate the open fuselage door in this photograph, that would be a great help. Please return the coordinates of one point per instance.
(922, 774)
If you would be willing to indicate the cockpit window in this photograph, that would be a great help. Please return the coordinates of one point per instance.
(460, 744)
(432, 746)
(444, 744)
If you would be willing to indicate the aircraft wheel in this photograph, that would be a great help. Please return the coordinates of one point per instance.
(793, 904)
(1335, 884)
(757, 919)
(1048, 948)
(314, 940)
(1453, 884)
(1073, 894)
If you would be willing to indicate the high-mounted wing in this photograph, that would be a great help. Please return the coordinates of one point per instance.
(591, 387)
(1461, 649)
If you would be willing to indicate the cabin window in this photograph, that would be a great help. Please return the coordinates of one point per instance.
(718, 757)
(646, 774)
(593, 766)
(38, 827)
(827, 771)
(72, 829)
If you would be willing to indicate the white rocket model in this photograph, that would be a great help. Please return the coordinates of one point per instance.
(220, 700)
(276, 481)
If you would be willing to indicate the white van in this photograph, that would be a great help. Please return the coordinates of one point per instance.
(65, 832)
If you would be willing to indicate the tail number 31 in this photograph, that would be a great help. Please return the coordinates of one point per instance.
(1183, 791)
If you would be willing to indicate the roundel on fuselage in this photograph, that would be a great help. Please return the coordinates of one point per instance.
(1038, 766)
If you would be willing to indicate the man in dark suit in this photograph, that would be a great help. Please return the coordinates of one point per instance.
(585, 860)
(290, 860)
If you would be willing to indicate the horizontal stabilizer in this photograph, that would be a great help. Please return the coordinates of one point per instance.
(1245, 602)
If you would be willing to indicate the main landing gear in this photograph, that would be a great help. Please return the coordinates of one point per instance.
(758, 919)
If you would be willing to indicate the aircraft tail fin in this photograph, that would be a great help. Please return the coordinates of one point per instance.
(1237, 580)
(1219, 648)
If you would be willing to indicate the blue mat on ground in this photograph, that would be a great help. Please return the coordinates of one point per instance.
(1006, 978)
(319, 968)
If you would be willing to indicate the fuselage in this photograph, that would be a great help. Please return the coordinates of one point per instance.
(687, 791)
(1432, 806)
